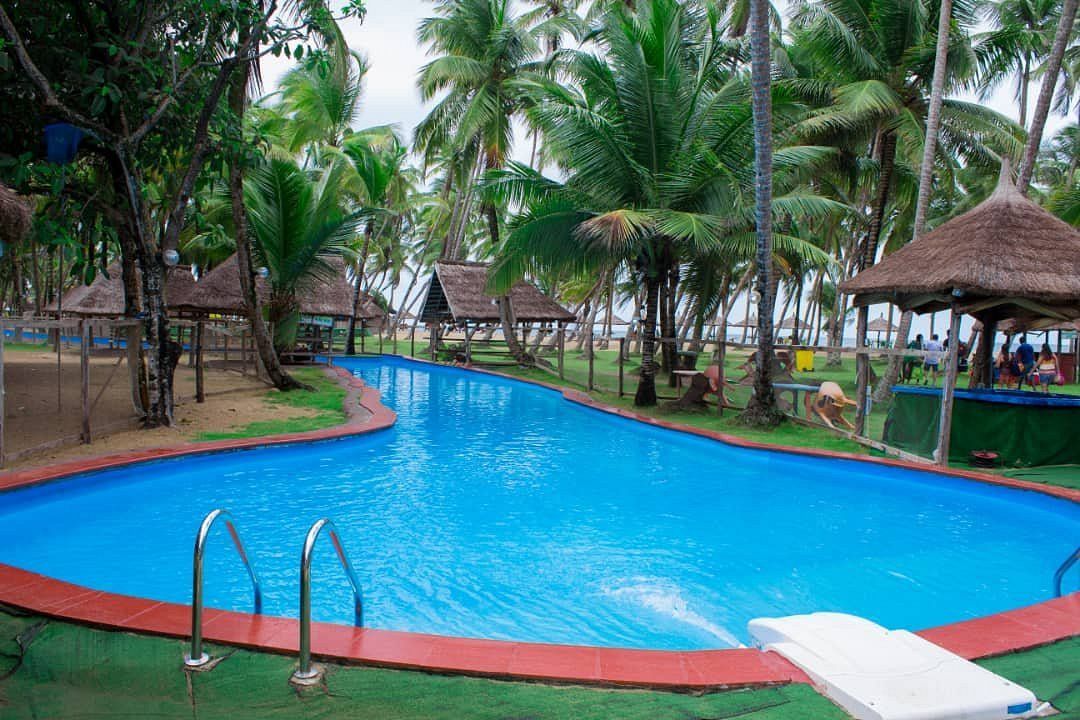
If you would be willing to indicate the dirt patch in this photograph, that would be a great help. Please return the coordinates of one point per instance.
(33, 415)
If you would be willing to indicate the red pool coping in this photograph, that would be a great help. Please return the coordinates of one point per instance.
(997, 634)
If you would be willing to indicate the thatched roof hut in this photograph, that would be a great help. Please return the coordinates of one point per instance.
(458, 292)
(1006, 258)
(219, 292)
(105, 296)
(751, 322)
(881, 325)
(16, 215)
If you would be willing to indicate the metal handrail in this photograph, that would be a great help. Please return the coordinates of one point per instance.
(305, 671)
(1059, 574)
(197, 658)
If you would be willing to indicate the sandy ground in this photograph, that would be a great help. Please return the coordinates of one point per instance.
(32, 417)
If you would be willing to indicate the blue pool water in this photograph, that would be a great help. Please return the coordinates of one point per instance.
(498, 509)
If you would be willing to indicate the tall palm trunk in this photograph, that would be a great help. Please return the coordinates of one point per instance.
(264, 344)
(926, 175)
(646, 389)
(1046, 93)
(877, 222)
(762, 409)
(350, 338)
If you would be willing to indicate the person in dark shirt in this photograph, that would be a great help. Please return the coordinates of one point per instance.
(1025, 361)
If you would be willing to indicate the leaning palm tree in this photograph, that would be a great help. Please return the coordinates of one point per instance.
(654, 135)
(298, 225)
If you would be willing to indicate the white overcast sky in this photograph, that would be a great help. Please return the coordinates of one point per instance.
(388, 38)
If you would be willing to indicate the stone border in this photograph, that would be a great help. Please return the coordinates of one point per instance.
(670, 670)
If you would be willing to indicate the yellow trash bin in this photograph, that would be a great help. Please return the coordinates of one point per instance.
(804, 360)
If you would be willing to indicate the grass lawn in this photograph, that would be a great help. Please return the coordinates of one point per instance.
(327, 401)
(58, 670)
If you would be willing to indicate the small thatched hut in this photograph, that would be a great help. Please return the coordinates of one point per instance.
(219, 292)
(105, 296)
(881, 325)
(458, 294)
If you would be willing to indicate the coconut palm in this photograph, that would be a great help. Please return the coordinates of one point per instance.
(482, 49)
(873, 61)
(1016, 45)
(378, 163)
(298, 224)
(321, 100)
(654, 136)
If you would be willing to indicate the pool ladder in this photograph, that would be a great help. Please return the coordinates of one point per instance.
(1059, 575)
(308, 674)
(197, 658)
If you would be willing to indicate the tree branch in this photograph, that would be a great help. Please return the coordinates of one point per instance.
(42, 83)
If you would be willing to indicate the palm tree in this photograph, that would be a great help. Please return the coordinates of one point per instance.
(1046, 93)
(378, 160)
(321, 99)
(654, 136)
(298, 224)
(483, 49)
(1015, 47)
(872, 59)
(762, 409)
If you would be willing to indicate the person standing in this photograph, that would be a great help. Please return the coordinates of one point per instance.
(1025, 362)
(1047, 368)
(912, 361)
(932, 362)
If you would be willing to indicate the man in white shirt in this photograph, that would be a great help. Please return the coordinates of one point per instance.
(932, 361)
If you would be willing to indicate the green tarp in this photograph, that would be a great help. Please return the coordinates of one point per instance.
(1024, 431)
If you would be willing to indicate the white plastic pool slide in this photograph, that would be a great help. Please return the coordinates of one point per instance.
(879, 674)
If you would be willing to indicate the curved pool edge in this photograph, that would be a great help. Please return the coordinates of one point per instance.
(1001, 633)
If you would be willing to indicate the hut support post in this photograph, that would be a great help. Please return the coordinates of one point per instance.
(84, 378)
(362, 334)
(941, 455)
(200, 390)
(412, 342)
(986, 353)
(468, 344)
(381, 339)
(622, 348)
(562, 346)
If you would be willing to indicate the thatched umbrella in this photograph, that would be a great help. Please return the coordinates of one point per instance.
(1006, 258)
(16, 215)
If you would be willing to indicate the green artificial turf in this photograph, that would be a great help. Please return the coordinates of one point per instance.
(1062, 475)
(55, 670)
(50, 669)
(327, 399)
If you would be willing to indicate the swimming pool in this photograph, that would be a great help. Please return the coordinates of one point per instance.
(497, 509)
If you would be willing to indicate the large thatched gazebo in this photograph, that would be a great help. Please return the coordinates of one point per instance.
(16, 216)
(1007, 258)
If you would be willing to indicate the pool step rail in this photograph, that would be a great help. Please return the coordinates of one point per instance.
(1059, 574)
(308, 673)
(196, 659)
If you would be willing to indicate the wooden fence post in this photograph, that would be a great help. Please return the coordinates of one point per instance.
(622, 347)
(200, 391)
(592, 356)
(84, 367)
(562, 345)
